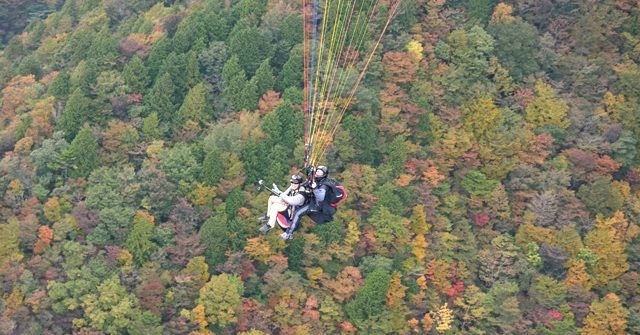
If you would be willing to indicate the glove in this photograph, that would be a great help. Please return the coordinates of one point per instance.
(276, 190)
(310, 171)
(313, 184)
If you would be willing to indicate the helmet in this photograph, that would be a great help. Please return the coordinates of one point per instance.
(296, 179)
(324, 169)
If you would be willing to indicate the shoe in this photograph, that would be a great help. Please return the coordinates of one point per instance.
(286, 236)
(264, 219)
(265, 229)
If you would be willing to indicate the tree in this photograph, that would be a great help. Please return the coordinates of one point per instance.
(196, 105)
(76, 112)
(548, 293)
(477, 184)
(221, 297)
(516, 42)
(136, 75)
(250, 45)
(119, 138)
(9, 238)
(160, 99)
(263, 79)
(291, 73)
(606, 316)
(608, 247)
(546, 109)
(370, 299)
(235, 83)
(281, 123)
(214, 235)
(504, 307)
(601, 196)
(138, 241)
(82, 153)
(212, 168)
(114, 311)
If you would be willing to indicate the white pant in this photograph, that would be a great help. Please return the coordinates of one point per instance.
(275, 206)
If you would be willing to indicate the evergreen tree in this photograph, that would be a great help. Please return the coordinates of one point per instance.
(291, 74)
(138, 241)
(136, 75)
(160, 99)
(82, 154)
(263, 79)
(251, 47)
(76, 112)
(370, 299)
(195, 105)
(234, 82)
(212, 168)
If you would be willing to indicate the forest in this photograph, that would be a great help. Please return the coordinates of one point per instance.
(491, 156)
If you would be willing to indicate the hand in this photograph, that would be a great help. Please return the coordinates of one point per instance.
(286, 236)
(276, 190)
(313, 185)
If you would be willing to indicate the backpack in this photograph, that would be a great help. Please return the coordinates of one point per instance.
(337, 195)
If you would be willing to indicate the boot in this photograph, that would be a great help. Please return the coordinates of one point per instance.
(265, 229)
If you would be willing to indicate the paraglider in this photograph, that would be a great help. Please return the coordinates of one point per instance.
(340, 41)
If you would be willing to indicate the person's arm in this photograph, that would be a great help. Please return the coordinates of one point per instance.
(295, 200)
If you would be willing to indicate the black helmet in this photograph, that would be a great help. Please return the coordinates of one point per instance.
(324, 169)
(296, 179)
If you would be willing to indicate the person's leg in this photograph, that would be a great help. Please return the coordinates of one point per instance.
(295, 222)
(273, 213)
(270, 202)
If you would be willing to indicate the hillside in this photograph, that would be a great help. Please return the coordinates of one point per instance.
(490, 156)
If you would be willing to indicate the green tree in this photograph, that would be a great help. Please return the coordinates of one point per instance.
(601, 197)
(9, 240)
(283, 122)
(222, 298)
(504, 307)
(82, 154)
(234, 81)
(76, 112)
(60, 86)
(370, 299)
(138, 241)
(477, 184)
(517, 46)
(151, 127)
(176, 66)
(113, 310)
(160, 99)
(264, 79)
(212, 168)
(548, 293)
(159, 52)
(195, 105)
(84, 76)
(251, 47)
(193, 69)
(291, 74)
(214, 234)
(363, 133)
(136, 75)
